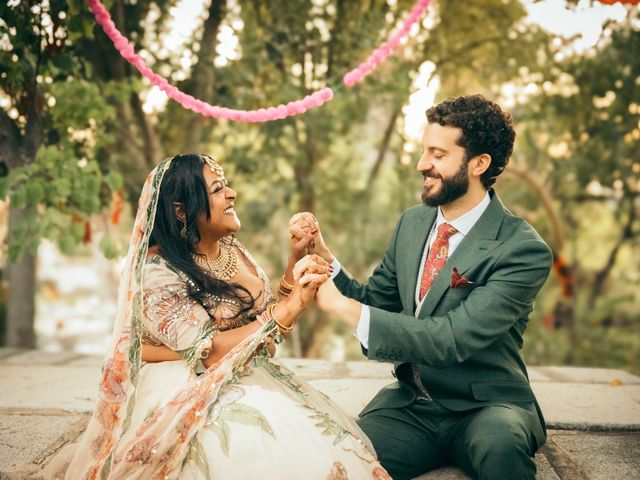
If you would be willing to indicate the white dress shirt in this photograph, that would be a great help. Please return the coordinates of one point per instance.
(463, 224)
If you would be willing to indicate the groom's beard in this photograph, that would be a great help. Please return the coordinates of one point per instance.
(451, 188)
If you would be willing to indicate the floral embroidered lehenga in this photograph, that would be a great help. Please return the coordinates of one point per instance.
(245, 417)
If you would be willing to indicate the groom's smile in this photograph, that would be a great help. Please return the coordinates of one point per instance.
(442, 165)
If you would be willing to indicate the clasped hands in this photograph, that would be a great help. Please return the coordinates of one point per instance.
(310, 251)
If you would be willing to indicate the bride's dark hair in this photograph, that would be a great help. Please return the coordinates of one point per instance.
(184, 183)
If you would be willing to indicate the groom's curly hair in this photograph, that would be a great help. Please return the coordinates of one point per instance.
(486, 128)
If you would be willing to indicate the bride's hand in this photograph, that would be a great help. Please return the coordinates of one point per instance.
(302, 229)
(309, 273)
(305, 233)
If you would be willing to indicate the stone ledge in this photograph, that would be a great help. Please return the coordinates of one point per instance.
(593, 414)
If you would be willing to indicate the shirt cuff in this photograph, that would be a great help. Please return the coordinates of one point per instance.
(362, 330)
(336, 268)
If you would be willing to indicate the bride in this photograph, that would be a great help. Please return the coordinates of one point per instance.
(188, 389)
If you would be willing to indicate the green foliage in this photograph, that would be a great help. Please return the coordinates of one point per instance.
(57, 148)
(60, 192)
(77, 115)
(588, 106)
(580, 134)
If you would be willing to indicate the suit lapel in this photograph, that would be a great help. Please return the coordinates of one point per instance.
(478, 243)
(418, 239)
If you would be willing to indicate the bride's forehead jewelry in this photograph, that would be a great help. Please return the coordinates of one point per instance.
(213, 166)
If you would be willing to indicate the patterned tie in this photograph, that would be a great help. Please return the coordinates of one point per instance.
(437, 257)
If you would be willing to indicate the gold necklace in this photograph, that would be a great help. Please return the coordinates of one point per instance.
(225, 266)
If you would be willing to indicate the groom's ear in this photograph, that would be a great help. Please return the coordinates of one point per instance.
(481, 163)
(179, 209)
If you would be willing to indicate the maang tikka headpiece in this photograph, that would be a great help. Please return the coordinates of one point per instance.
(214, 166)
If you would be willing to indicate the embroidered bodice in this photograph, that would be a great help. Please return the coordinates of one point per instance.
(174, 318)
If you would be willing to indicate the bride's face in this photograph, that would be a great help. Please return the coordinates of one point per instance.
(223, 219)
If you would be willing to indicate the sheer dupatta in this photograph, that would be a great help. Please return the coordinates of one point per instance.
(160, 445)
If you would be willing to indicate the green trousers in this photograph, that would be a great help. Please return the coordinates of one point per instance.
(492, 442)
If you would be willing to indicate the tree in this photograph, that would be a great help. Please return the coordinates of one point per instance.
(580, 136)
(53, 139)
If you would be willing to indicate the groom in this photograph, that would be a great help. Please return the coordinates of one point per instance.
(449, 304)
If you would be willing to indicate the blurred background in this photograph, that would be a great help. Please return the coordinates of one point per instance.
(80, 129)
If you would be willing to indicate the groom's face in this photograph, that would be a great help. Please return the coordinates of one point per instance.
(443, 165)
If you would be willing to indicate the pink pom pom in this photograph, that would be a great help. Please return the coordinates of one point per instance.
(179, 96)
(378, 56)
(128, 52)
(348, 79)
(326, 94)
(137, 61)
(254, 116)
(155, 79)
(394, 40)
(291, 109)
(146, 72)
(209, 110)
(314, 100)
(281, 112)
(176, 94)
(272, 112)
(261, 115)
(198, 106)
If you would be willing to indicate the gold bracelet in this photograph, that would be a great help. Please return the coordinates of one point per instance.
(283, 291)
(282, 328)
(286, 284)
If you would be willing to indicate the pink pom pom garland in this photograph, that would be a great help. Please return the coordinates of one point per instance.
(381, 53)
(296, 107)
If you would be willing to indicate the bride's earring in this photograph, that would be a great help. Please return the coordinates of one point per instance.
(183, 231)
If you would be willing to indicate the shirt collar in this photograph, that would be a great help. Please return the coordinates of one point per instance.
(465, 223)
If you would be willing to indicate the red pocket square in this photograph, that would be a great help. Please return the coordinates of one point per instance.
(458, 280)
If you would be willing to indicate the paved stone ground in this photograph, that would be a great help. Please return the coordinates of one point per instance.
(593, 414)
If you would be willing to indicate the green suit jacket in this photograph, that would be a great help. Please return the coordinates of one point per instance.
(463, 346)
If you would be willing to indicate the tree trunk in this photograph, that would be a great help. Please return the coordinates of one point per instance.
(202, 82)
(21, 278)
(627, 234)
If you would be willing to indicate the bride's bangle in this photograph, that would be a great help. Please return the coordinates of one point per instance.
(285, 283)
(281, 327)
(285, 288)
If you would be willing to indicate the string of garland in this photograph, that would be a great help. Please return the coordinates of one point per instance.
(279, 112)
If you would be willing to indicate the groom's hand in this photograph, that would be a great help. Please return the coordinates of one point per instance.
(308, 274)
(305, 230)
(330, 300)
